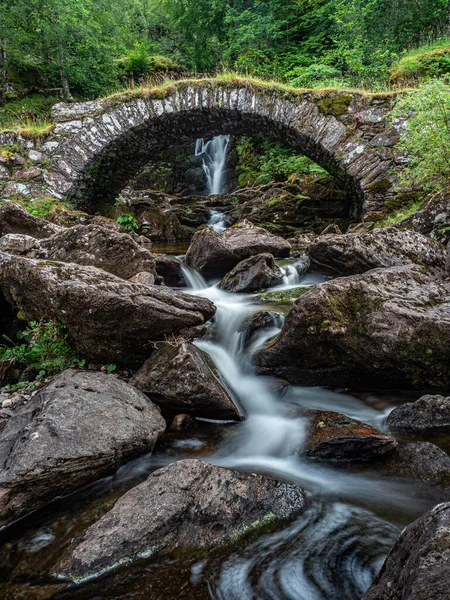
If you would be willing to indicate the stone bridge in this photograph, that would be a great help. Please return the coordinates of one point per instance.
(97, 147)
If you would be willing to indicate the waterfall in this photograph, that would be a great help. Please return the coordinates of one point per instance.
(217, 221)
(214, 153)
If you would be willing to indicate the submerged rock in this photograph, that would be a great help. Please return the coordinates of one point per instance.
(215, 254)
(387, 328)
(79, 428)
(187, 505)
(418, 566)
(252, 275)
(180, 377)
(109, 320)
(15, 219)
(426, 413)
(335, 437)
(352, 253)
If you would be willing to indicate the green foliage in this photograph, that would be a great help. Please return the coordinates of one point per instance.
(426, 138)
(263, 162)
(314, 75)
(44, 348)
(40, 207)
(426, 62)
(128, 222)
(400, 214)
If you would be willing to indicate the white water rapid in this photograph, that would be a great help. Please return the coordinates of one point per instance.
(213, 153)
(217, 221)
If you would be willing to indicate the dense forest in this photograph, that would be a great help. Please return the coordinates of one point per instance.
(88, 47)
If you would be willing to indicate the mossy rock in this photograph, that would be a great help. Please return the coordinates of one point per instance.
(335, 105)
(380, 187)
(282, 296)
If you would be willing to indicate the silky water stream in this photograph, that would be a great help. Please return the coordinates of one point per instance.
(331, 552)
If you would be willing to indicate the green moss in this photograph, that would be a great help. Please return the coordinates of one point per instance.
(380, 187)
(282, 296)
(334, 105)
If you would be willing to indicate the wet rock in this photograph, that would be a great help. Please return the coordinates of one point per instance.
(303, 240)
(245, 240)
(260, 321)
(387, 328)
(15, 219)
(180, 377)
(169, 269)
(182, 423)
(354, 253)
(282, 297)
(109, 320)
(252, 275)
(426, 413)
(185, 506)
(418, 566)
(420, 460)
(79, 428)
(209, 254)
(215, 254)
(337, 438)
(92, 245)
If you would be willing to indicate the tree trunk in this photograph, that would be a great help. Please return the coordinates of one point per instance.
(63, 75)
(3, 69)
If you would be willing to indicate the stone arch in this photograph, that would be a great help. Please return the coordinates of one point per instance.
(97, 147)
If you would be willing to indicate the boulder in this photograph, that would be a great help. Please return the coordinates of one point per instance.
(180, 377)
(15, 219)
(79, 428)
(253, 275)
(209, 254)
(352, 253)
(169, 268)
(109, 320)
(420, 460)
(159, 225)
(93, 245)
(426, 413)
(337, 438)
(386, 328)
(245, 240)
(185, 506)
(144, 277)
(432, 217)
(215, 254)
(418, 566)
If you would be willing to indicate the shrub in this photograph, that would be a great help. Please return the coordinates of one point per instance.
(128, 222)
(426, 137)
(44, 349)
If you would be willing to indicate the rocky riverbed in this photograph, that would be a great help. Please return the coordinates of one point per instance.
(277, 413)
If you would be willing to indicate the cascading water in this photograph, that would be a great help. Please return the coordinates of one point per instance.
(217, 221)
(214, 154)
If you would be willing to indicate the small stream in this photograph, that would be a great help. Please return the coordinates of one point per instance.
(331, 552)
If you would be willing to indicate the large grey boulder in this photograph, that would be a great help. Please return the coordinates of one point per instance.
(109, 320)
(418, 566)
(215, 254)
(89, 245)
(387, 327)
(353, 253)
(187, 505)
(433, 217)
(428, 412)
(15, 219)
(180, 377)
(253, 275)
(334, 437)
(79, 428)
(245, 239)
